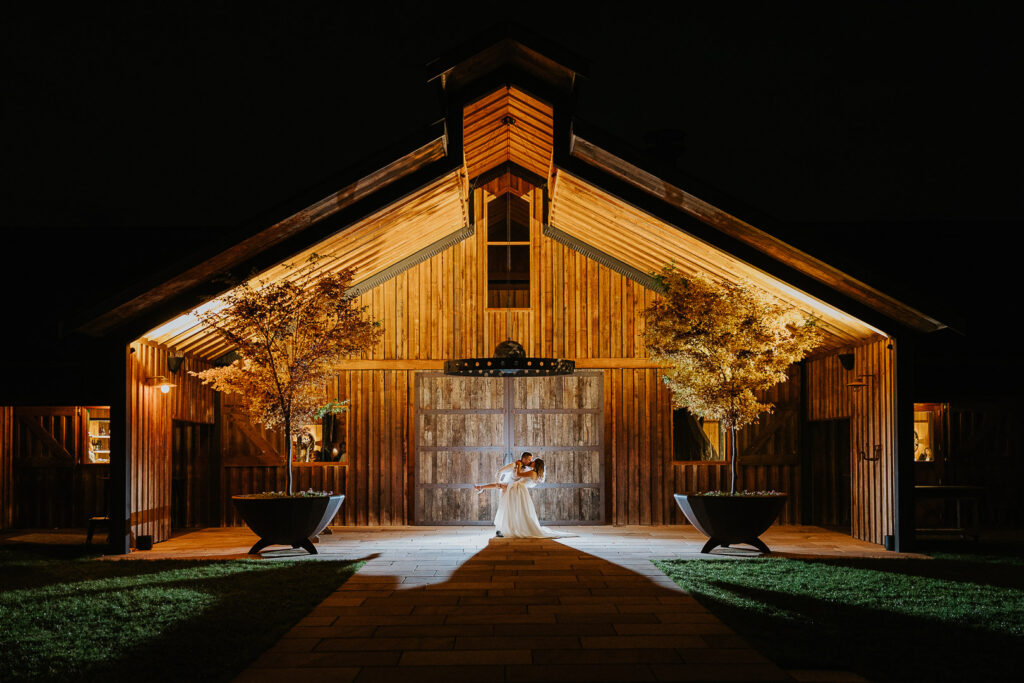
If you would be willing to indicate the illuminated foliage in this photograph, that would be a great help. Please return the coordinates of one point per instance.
(290, 336)
(721, 342)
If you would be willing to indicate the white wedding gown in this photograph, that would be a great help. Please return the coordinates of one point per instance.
(517, 516)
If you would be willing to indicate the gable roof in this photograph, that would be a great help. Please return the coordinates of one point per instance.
(408, 208)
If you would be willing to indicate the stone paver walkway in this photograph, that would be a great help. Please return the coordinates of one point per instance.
(517, 610)
(456, 604)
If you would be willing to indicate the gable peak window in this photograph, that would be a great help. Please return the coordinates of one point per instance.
(508, 252)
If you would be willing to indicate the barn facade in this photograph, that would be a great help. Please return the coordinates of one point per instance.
(510, 219)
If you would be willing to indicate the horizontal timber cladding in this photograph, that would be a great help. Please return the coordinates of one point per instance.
(508, 125)
(149, 447)
(871, 408)
(466, 428)
(6, 466)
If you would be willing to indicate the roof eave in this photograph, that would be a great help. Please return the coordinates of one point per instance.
(303, 220)
(616, 173)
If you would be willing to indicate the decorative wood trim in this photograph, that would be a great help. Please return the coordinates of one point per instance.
(581, 364)
(591, 448)
(785, 417)
(605, 259)
(294, 464)
(557, 411)
(408, 262)
(26, 411)
(44, 436)
(255, 438)
(746, 233)
(509, 167)
(427, 152)
(461, 411)
(426, 485)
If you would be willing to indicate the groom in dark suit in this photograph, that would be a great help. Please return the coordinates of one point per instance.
(506, 473)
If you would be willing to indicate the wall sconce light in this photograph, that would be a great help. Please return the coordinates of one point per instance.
(174, 363)
(859, 383)
(846, 360)
(160, 381)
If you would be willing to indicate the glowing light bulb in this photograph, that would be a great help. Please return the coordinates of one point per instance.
(165, 388)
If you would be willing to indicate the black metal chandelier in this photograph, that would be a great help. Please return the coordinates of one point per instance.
(509, 359)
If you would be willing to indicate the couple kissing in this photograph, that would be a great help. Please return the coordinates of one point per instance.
(517, 516)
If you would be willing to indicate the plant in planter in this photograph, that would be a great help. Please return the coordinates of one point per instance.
(289, 336)
(721, 342)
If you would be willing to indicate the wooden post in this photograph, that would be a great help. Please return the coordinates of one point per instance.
(118, 360)
(217, 462)
(806, 510)
(903, 458)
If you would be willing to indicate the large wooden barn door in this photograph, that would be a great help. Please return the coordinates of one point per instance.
(468, 427)
(561, 420)
(461, 438)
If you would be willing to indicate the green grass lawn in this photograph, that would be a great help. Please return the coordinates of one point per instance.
(64, 616)
(957, 617)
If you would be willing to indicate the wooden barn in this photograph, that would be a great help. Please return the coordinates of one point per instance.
(510, 218)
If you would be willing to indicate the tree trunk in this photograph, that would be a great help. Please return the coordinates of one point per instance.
(288, 452)
(733, 460)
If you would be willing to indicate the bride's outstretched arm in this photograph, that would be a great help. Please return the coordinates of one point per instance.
(493, 485)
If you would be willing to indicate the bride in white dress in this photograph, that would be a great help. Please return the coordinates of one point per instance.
(517, 516)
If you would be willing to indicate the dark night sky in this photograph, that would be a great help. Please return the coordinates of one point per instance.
(122, 128)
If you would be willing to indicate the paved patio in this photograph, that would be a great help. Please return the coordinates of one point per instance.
(396, 550)
(443, 603)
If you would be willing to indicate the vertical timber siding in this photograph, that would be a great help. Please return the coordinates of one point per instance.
(379, 431)
(580, 309)
(437, 310)
(149, 424)
(872, 414)
(191, 400)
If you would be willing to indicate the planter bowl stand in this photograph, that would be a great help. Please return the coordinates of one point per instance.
(727, 520)
(287, 521)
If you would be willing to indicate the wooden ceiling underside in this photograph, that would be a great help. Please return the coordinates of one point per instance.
(635, 237)
(508, 126)
(369, 246)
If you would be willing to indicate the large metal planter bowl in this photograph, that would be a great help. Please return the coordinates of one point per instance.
(726, 520)
(287, 521)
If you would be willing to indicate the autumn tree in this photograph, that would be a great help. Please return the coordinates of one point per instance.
(289, 336)
(720, 343)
